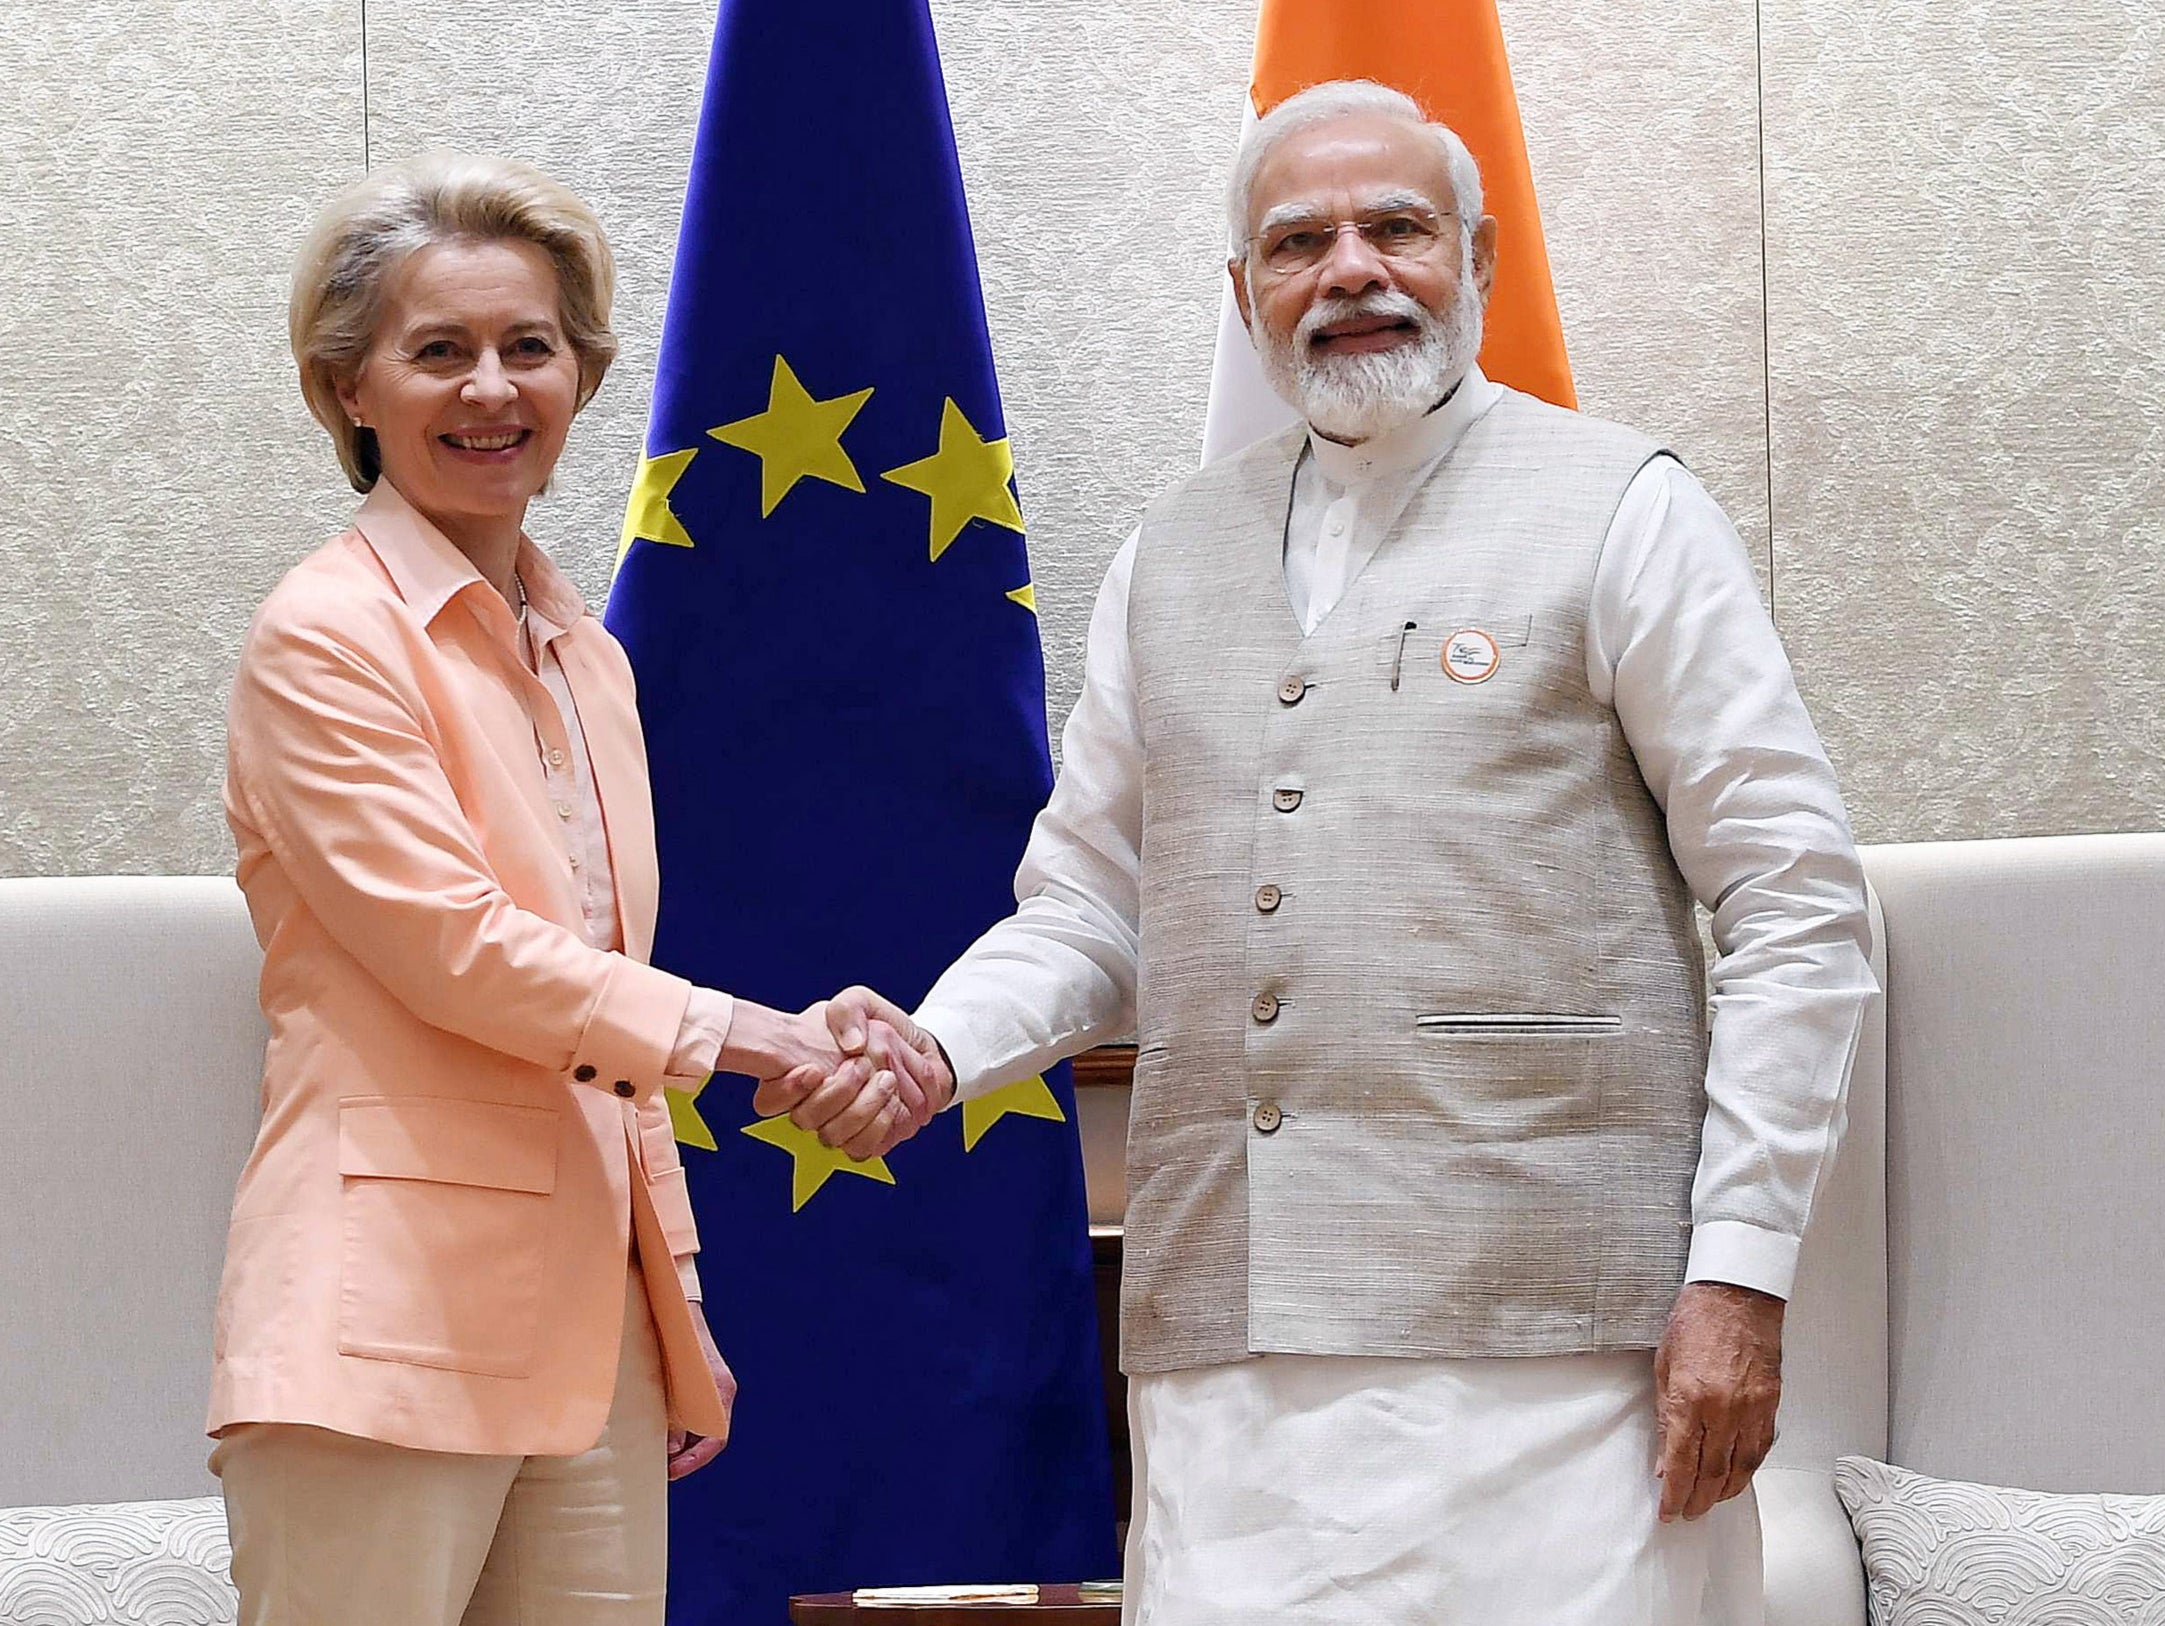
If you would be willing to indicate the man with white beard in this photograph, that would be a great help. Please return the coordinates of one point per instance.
(1458, 1228)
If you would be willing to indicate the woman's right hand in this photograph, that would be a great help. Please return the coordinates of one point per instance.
(768, 1043)
(863, 1105)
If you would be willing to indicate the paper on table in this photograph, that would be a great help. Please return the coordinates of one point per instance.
(905, 1596)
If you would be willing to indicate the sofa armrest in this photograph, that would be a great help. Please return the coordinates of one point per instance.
(1815, 1572)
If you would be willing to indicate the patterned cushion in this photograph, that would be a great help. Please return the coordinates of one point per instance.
(1941, 1553)
(124, 1564)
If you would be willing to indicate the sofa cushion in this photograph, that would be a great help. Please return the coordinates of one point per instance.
(121, 1564)
(1938, 1552)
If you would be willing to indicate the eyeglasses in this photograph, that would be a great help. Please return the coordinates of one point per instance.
(1300, 245)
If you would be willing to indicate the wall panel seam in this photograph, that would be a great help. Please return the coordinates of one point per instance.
(1766, 294)
(364, 94)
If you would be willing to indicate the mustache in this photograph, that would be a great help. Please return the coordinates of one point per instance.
(1387, 303)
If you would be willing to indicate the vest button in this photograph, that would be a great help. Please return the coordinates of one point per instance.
(626, 1088)
(1268, 1118)
(1291, 690)
(1265, 1008)
(1285, 800)
(1267, 898)
(583, 1073)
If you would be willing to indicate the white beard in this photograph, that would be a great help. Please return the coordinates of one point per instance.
(1358, 397)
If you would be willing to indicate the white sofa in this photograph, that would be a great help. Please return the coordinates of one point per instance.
(130, 1053)
(1979, 1299)
(1983, 1294)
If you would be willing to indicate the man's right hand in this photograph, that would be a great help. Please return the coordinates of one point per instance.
(891, 1082)
(865, 1023)
(882, 1078)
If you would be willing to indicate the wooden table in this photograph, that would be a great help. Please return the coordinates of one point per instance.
(1055, 1606)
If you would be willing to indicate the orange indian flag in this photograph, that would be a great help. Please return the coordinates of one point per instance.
(1448, 55)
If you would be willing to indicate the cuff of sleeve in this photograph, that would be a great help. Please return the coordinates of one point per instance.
(708, 1016)
(952, 1030)
(631, 1031)
(1743, 1255)
(688, 1274)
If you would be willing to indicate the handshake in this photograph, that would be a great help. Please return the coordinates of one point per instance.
(853, 1070)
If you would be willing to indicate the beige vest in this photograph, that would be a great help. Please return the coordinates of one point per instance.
(1422, 1015)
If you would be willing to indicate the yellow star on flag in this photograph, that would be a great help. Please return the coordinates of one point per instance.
(684, 1119)
(1032, 1098)
(967, 478)
(816, 1162)
(1026, 596)
(648, 514)
(796, 438)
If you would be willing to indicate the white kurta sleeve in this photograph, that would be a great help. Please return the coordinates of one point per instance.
(1680, 643)
(1058, 975)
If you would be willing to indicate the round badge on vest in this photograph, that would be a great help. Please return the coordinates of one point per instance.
(1470, 656)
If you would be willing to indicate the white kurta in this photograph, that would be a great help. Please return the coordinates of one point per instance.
(1324, 1490)
(1302, 1490)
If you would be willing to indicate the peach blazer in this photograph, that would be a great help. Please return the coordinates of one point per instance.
(463, 1132)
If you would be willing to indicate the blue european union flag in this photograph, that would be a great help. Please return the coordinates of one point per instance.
(827, 599)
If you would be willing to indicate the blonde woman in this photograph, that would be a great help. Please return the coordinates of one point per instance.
(460, 1347)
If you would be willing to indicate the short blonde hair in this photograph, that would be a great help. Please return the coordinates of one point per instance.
(366, 232)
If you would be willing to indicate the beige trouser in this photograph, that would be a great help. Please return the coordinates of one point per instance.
(331, 1530)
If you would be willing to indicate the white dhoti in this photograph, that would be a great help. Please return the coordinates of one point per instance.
(1335, 1491)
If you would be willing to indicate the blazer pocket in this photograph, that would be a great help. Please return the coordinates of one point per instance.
(444, 1229)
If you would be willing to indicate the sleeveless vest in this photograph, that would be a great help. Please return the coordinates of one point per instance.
(1422, 1019)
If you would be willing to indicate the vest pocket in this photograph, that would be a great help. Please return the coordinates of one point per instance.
(444, 1210)
(1517, 1025)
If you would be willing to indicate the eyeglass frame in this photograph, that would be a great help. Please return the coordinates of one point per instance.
(1335, 227)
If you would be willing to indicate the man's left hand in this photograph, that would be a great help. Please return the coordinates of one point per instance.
(688, 1452)
(1717, 1381)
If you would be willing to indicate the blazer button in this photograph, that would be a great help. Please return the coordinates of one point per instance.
(1291, 690)
(1267, 898)
(1268, 1118)
(583, 1073)
(1265, 1008)
(1285, 800)
(625, 1088)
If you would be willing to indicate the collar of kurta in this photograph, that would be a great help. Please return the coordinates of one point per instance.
(429, 571)
(1411, 445)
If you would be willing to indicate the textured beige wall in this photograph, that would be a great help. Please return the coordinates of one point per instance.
(1967, 309)
(1642, 124)
(157, 471)
(1962, 464)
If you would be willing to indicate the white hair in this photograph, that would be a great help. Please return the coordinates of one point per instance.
(1357, 397)
(1337, 99)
